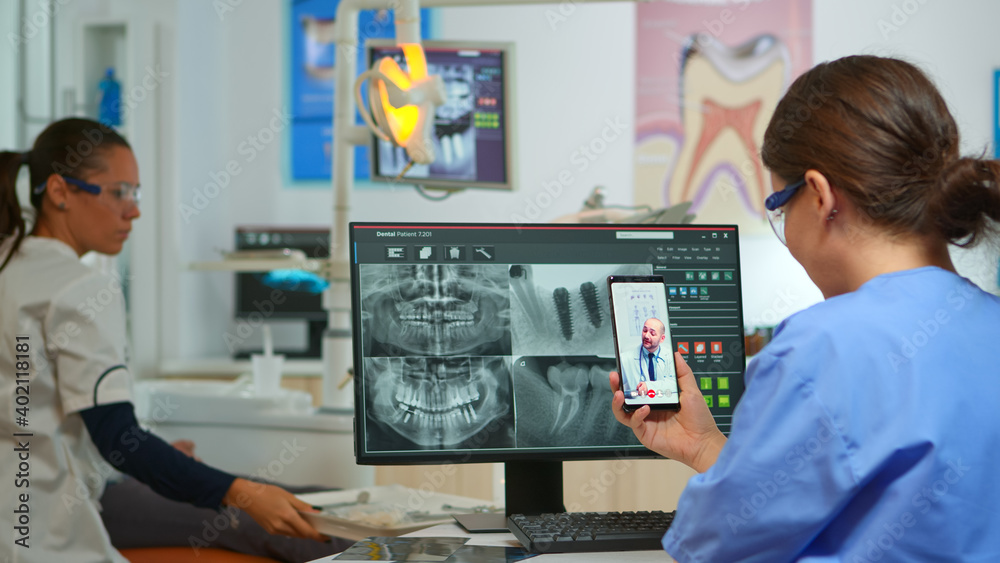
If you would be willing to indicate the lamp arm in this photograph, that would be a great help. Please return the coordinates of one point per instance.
(363, 107)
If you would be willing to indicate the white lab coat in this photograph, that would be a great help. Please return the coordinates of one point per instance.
(73, 322)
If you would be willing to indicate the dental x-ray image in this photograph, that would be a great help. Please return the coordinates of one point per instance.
(438, 403)
(435, 310)
(454, 136)
(563, 309)
(566, 402)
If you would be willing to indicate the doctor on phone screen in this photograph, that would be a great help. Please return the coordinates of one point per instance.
(644, 363)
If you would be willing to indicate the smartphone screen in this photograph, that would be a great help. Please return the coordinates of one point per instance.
(643, 345)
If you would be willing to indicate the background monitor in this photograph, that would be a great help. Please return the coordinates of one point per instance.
(485, 343)
(473, 142)
(298, 297)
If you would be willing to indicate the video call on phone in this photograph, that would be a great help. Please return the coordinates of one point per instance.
(643, 341)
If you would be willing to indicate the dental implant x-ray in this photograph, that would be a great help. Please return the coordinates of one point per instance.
(561, 319)
(437, 344)
(564, 308)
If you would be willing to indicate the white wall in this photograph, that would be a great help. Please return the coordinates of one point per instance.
(955, 42)
(205, 93)
(8, 70)
(25, 33)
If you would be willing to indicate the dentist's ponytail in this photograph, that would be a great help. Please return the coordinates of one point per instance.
(70, 147)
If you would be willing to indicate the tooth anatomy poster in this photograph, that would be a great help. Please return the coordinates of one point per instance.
(708, 77)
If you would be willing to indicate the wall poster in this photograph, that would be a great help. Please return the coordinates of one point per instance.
(708, 78)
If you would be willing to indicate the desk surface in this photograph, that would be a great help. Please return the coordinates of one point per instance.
(508, 540)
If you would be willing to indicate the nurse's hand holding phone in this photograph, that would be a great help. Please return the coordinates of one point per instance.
(688, 435)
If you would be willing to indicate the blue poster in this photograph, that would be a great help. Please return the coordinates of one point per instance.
(312, 69)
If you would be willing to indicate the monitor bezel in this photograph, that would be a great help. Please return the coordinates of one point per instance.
(509, 112)
(435, 457)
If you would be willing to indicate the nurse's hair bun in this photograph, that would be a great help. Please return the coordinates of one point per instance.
(966, 205)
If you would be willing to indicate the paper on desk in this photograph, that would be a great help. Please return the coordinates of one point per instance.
(503, 539)
(390, 510)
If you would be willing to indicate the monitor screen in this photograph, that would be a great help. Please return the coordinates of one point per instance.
(283, 294)
(485, 342)
(298, 300)
(492, 342)
(472, 129)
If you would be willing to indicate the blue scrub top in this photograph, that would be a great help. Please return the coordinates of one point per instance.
(869, 431)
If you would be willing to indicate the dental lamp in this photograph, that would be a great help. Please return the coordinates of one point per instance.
(402, 102)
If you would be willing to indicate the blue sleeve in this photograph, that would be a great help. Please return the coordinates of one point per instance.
(784, 474)
(168, 471)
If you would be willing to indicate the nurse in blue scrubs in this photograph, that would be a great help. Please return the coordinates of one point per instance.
(869, 429)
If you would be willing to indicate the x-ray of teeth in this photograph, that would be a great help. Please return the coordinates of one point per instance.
(435, 310)
(458, 86)
(453, 132)
(434, 403)
(563, 309)
(566, 401)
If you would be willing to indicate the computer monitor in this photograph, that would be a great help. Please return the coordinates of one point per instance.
(492, 342)
(264, 296)
(473, 140)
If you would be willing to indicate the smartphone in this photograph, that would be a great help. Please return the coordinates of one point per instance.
(644, 349)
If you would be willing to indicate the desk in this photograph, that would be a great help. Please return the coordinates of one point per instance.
(508, 540)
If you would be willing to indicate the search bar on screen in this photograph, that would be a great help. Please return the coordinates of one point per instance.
(669, 235)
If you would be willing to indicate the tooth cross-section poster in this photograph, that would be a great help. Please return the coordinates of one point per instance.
(708, 77)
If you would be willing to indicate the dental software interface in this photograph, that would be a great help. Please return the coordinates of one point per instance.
(494, 341)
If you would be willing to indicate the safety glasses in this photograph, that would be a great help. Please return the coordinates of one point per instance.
(116, 195)
(774, 204)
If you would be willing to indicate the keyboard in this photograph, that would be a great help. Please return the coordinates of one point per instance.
(575, 532)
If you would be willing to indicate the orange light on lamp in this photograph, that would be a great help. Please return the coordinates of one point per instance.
(401, 120)
(402, 103)
(415, 61)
